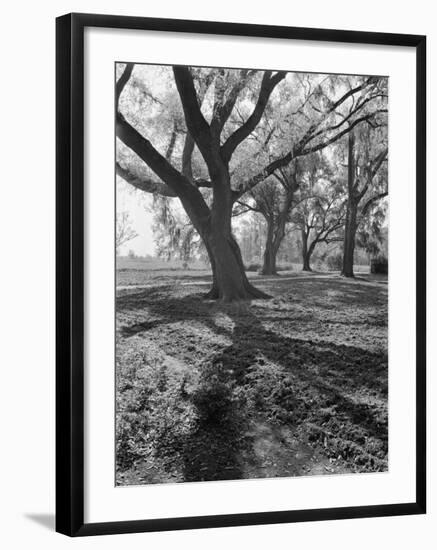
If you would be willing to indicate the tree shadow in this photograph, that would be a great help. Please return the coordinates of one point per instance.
(165, 309)
(210, 446)
(328, 391)
(330, 294)
(250, 337)
(315, 382)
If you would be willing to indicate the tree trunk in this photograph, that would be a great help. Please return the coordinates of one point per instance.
(275, 236)
(230, 282)
(306, 266)
(349, 238)
(306, 254)
(350, 227)
(270, 251)
(213, 293)
(269, 261)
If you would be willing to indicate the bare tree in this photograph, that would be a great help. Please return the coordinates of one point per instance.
(319, 218)
(124, 232)
(273, 200)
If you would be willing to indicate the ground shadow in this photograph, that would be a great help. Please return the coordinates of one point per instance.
(211, 450)
(334, 395)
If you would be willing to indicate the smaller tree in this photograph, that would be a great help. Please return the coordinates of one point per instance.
(319, 213)
(366, 180)
(274, 201)
(124, 232)
(319, 220)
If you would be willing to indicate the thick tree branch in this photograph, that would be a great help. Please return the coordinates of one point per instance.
(196, 123)
(265, 173)
(140, 179)
(368, 82)
(343, 121)
(143, 181)
(122, 81)
(371, 171)
(142, 146)
(337, 136)
(172, 143)
(145, 150)
(377, 162)
(268, 84)
(223, 108)
(372, 201)
(311, 132)
(189, 144)
(187, 154)
(295, 153)
(179, 184)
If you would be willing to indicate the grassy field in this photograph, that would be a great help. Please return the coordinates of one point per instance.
(148, 271)
(295, 385)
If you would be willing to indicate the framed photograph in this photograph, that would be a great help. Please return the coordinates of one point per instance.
(240, 274)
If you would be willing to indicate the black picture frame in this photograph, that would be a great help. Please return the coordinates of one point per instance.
(70, 273)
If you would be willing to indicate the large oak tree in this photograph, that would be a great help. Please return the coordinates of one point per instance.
(216, 137)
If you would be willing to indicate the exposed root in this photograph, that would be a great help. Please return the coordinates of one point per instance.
(249, 293)
(254, 292)
(212, 294)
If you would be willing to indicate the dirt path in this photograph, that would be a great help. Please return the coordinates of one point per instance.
(277, 452)
(271, 452)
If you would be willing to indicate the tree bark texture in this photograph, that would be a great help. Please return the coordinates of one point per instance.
(351, 213)
(350, 230)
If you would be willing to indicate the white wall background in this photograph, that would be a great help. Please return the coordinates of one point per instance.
(27, 275)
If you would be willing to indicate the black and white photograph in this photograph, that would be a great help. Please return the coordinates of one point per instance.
(217, 275)
(251, 301)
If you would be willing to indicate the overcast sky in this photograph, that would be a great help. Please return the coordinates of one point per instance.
(138, 205)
